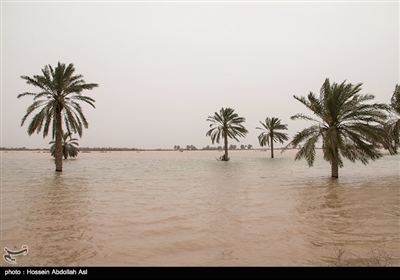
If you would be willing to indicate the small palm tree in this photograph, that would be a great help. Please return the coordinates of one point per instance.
(348, 127)
(226, 124)
(57, 102)
(69, 147)
(271, 134)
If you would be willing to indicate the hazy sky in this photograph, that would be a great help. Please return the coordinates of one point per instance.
(164, 67)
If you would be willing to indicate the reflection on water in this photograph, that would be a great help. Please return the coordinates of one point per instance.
(50, 215)
(171, 208)
(58, 215)
(359, 219)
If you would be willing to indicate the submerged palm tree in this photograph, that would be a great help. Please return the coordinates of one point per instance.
(348, 127)
(57, 103)
(69, 147)
(226, 124)
(393, 125)
(271, 134)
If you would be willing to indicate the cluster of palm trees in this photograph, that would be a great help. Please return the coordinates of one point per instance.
(347, 126)
(227, 124)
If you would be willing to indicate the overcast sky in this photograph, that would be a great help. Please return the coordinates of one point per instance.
(164, 67)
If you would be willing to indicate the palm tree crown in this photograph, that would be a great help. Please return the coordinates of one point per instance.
(271, 133)
(69, 147)
(348, 127)
(226, 124)
(57, 103)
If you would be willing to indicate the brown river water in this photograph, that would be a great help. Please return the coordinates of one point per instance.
(169, 208)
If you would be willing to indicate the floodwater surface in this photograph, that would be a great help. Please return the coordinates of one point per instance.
(169, 208)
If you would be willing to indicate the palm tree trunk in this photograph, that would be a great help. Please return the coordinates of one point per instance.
(58, 152)
(272, 148)
(65, 152)
(226, 147)
(335, 169)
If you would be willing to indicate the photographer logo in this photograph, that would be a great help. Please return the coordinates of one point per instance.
(8, 256)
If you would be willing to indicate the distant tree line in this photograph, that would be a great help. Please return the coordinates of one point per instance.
(22, 149)
(231, 147)
(107, 149)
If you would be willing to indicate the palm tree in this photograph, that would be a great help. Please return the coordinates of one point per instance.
(69, 146)
(57, 102)
(393, 125)
(395, 100)
(348, 127)
(271, 134)
(226, 124)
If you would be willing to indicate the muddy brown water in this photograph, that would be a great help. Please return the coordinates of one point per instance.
(167, 208)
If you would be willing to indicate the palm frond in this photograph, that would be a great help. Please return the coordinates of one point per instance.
(308, 150)
(301, 116)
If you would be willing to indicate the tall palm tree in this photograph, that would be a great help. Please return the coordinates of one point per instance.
(348, 127)
(395, 100)
(69, 147)
(57, 101)
(226, 124)
(271, 134)
(393, 125)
